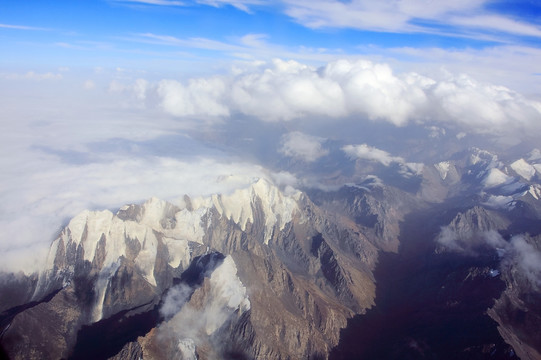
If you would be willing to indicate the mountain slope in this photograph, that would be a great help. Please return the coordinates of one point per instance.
(292, 260)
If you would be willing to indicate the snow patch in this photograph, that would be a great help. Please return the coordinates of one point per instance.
(101, 286)
(496, 177)
(535, 191)
(537, 168)
(494, 273)
(179, 252)
(239, 207)
(146, 259)
(499, 202)
(524, 169)
(443, 168)
(484, 157)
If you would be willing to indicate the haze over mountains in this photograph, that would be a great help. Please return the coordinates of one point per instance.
(279, 180)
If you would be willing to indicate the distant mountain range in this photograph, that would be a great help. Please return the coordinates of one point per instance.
(414, 261)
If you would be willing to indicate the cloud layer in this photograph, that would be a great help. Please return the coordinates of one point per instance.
(288, 90)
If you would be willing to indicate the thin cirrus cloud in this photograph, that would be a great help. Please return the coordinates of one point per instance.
(153, 2)
(464, 17)
(22, 27)
(243, 5)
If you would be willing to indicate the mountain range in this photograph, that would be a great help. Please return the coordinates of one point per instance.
(406, 261)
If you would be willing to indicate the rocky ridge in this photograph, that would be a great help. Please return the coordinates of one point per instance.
(292, 260)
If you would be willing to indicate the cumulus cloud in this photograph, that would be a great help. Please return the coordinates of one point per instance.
(371, 153)
(302, 146)
(201, 97)
(288, 90)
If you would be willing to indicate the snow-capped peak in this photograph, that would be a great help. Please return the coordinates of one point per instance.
(479, 156)
(239, 206)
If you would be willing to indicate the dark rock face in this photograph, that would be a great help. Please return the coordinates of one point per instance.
(45, 331)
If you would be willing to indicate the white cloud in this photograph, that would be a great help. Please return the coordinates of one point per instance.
(243, 5)
(193, 324)
(497, 22)
(283, 91)
(403, 16)
(302, 146)
(153, 2)
(74, 149)
(36, 202)
(200, 97)
(371, 153)
(528, 259)
(22, 27)
(89, 85)
(517, 253)
(32, 75)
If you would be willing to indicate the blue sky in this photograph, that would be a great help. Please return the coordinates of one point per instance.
(153, 34)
